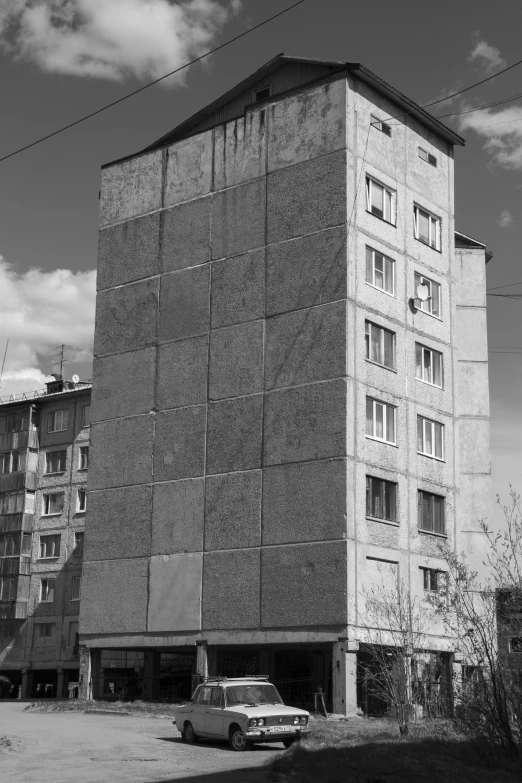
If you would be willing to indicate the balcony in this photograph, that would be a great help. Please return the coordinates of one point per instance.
(15, 566)
(25, 439)
(10, 523)
(13, 610)
(21, 479)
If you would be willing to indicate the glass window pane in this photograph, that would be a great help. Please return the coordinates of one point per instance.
(377, 199)
(389, 512)
(434, 228)
(389, 341)
(368, 496)
(379, 270)
(420, 434)
(379, 420)
(438, 514)
(438, 440)
(388, 275)
(426, 511)
(367, 340)
(388, 206)
(418, 360)
(428, 437)
(369, 265)
(435, 299)
(390, 424)
(437, 368)
(427, 365)
(377, 498)
(369, 416)
(423, 226)
(376, 346)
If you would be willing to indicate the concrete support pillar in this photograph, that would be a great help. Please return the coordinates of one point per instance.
(267, 663)
(345, 677)
(212, 662)
(90, 684)
(59, 683)
(27, 684)
(201, 660)
(151, 675)
(96, 674)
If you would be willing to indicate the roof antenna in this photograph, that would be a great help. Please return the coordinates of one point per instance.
(3, 363)
(61, 360)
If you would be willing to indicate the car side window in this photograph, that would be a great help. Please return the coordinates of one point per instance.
(204, 695)
(217, 697)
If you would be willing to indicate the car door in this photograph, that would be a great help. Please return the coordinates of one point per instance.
(200, 707)
(214, 717)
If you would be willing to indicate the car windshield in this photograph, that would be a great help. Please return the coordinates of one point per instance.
(253, 694)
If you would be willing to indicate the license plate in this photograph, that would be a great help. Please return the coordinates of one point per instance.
(281, 728)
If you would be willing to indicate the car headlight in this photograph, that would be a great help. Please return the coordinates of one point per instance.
(297, 720)
(252, 722)
(261, 721)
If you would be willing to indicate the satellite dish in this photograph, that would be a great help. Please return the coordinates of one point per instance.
(75, 378)
(423, 292)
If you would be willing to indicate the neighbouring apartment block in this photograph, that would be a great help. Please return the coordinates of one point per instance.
(290, 394)
(44, 455)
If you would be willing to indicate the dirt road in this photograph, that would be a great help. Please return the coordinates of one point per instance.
(66, 747)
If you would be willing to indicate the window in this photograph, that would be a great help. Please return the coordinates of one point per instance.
(7, 632)
(262, 94)
(47, 591)
(14, 422)
(49, 546)
(428, 365)
(431, 512)
(84, 458)
(57, 421)
(432, 303)
(53, 503)
(375, 122)
(78, 545)
(8, 588)
(11, 462)
(380, 271)
(427, 227)
(380, 420)
(380, 201)
(433, 581)
(380, 345)
(428, 157)
(73, 633)
(216, 699)
(204, 695)
(381, 499)
(82, 500)
(515, 644)
(86, 415)
(55, 461)
(12, 502)
(45, 630)
(27, 542)
(430, 438)
(76, 588)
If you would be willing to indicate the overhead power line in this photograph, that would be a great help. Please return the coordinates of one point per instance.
(479, 108)
(507, 285)
(150, 84)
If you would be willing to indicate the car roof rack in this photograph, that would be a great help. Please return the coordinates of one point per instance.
(220, 678)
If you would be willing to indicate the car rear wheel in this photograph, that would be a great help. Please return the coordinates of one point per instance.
(189, 735)
(238, 741)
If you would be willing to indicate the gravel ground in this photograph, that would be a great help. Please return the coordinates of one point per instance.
(61, 747)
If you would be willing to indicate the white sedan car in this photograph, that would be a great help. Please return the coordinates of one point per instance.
(243, 710)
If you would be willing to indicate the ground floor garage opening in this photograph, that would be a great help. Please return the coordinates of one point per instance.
(10, 684)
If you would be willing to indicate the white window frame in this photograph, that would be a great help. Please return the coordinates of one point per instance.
(81, 502)
(52, 540)
(434, 227)
(428, 157)
(49, 456)
(379, 125)
(47, 504)
(86, 414)
(432, 354)
(389, 200)
(426, 305)
(428, 582)
(58, 421)
(388, 410)
(369, 327)
(431, 425)
(371, 252)
(76, 588)
(83, 457)
(46, 590)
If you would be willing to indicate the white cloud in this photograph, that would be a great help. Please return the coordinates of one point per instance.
(505, 218)
(41, 310)
(488, 56)
(502, 131)
(112, 39)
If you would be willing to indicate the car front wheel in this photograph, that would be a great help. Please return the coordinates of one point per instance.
(189, 735)
(291, 741)
(238, 741)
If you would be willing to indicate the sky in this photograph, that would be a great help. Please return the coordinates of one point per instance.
(61, 59)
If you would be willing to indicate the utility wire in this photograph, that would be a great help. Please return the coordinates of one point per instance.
(508, 285)
(478, 108)
(150, 84)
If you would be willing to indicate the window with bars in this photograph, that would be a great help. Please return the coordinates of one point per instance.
(53, 503)
(49, 546)
(432, 304)
(381, 499)
(46, 591)
(428, 365)
(380, 271)
(431, 512)
(426, 227)
(55, 461)
(430, 438)
(83, 463)
(57, 421)
(428, 157)
(380, 345)
(380, 200)
(380, 420)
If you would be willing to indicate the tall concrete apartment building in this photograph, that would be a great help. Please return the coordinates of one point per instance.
(290, 392)
(44, 452)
